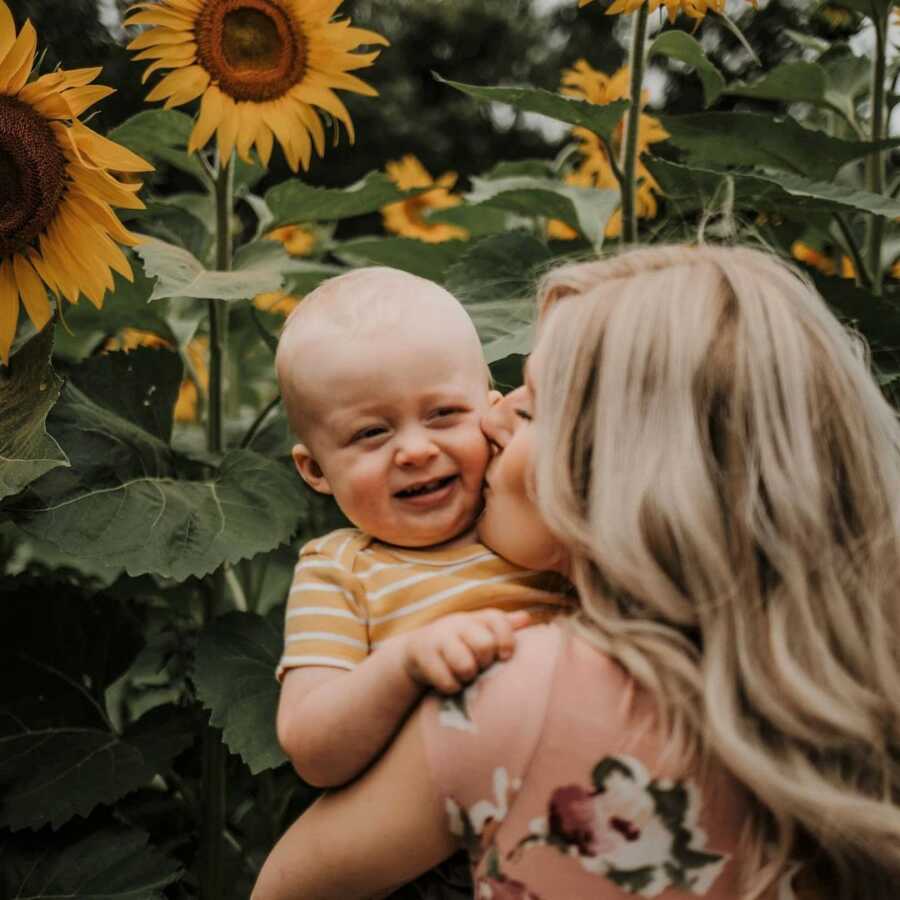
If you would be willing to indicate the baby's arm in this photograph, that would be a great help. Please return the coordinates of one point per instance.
(332, 724)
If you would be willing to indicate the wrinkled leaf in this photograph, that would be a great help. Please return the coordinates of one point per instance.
(602, 120)
(495, 281)
(111, 864)
(692, 187)
(180, 274)
(235, 678)
(849, 79)
(294, 201)
(585, 209)
(160, 135)
(28, 390)
(681, 46)
(426, 260)
(791, 82)
(751, 139)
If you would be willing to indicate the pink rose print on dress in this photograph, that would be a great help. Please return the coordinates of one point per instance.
(642, 834)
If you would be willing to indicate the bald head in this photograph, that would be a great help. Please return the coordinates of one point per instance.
(365, 310)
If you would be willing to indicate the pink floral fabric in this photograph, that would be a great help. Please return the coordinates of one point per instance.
(553, 775)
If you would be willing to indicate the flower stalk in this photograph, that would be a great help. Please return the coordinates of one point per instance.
(875, 175)
(636, 63)
(212, 835)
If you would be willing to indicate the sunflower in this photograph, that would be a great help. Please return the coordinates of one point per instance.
(57, 226)
(823, 261)
(595, 169)
(279, 302)
(264, 69)
(407, 217)
(296, 240)
(696, 9)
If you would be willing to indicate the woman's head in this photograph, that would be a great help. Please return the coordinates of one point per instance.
(725, 475)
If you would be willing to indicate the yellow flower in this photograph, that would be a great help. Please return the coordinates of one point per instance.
(264, 70)
(276, 302)
(696, 9)
(132, 338)
(813, 258)
(57, 226)
(848, 270)
(406, 217)
(297, 240)
(595, 168)
(895, 269)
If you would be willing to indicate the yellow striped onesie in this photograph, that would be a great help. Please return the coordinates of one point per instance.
(350, 593)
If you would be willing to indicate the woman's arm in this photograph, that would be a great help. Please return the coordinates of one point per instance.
(367, 838)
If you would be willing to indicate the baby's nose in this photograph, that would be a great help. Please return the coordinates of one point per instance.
(416, 450)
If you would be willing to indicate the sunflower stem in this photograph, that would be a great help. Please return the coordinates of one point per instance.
(636, 61)
(875, 161)
(212, 834)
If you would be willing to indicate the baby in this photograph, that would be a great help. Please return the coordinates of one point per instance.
(384, 383)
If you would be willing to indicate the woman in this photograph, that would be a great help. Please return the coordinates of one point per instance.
(700, 449)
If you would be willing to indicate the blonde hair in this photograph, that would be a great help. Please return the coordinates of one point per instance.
(726, 472)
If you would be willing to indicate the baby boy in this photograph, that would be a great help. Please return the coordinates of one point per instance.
(384, 383)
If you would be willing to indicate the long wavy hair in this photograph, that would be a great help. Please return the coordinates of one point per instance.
(715, 452)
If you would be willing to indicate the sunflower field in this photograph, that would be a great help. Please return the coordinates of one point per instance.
(150, 515)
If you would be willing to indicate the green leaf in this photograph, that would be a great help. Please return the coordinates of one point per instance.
(110, 864)
(478, 221)
(140, 385)
(426, 260)
(751, 139)
(160, 135)
(235, 678)
(303, 276)
(849, 79)
(602, 120)
(692, 187)
(59, 755)
(681, 46)
(174, 528)
(126, 306)
(791, 82)
(495, 281)
(295, 201)
(585, 209)
(180, 274)
(28, 390)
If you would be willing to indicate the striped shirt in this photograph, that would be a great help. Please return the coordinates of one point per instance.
(350, 593)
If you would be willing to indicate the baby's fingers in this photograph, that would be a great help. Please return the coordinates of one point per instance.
(521, 618)
(460, 659)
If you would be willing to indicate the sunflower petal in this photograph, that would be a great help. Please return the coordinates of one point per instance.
(7, 30)
(9, 309)
(16, 67)
(32, 292)
(212, 108)
(107, 153)
(82, 98)
(178, 81)
(228, 128)
(153, 37)
(264, 142)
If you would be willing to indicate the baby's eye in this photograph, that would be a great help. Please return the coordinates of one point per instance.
(445, 411)
(523, 414)
(366, 433)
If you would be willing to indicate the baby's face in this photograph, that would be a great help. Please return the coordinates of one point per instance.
(395, 432)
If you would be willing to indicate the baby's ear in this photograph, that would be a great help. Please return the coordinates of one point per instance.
(309, 469)
(494, 397)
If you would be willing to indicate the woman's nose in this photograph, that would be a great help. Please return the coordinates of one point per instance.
(498, 423)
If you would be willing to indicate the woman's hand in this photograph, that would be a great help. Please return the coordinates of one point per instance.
(450, 652)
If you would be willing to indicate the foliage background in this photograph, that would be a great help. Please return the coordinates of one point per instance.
(117, 651)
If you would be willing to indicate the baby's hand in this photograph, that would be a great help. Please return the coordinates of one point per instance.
(450, 652)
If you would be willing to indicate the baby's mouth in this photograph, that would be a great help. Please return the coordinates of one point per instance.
(426, 487)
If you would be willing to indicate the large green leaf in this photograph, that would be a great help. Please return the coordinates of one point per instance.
(849, 79)
(294, 201)
(235, 678)
(602, 120)
(59, 755)
(110, 864)
(681, 46)
(585, 209)
(791, 82)
(179, 273)
(691, 188)
(495, 280)
(751, 139)
(426, 260)
(141, 386)
(160, 135)
(28, 390)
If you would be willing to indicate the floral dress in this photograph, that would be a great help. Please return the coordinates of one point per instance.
(552, 771)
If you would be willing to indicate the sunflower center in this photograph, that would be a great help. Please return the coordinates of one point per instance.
(32, 175)
(253, 48)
